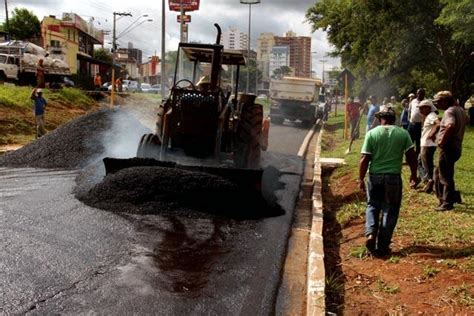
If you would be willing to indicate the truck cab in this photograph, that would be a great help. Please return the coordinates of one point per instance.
(8, 67)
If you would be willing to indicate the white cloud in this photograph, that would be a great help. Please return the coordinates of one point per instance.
(276, 16)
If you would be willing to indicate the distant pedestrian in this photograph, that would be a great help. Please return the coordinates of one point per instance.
(118, 84)
(382, 155)
(404, 115)
(469, 107)
(449, 140)
(373, 108)
(97, 81)
(415, 118)
(39, 105)
(353, 112)
(40, 72)
(427, 143)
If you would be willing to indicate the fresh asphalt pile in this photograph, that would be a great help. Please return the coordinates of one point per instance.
(73, 145)
(167, 191)
(81, 144)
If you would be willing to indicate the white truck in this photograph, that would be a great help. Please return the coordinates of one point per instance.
(295, 98)
(18, 62)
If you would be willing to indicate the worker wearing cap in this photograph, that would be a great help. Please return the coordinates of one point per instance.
(39, 105)
(449, 140)
(382, 155)
(427, 142)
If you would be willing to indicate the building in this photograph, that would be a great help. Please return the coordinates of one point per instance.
(265, 43)
(233, 38)
(150, 70)
(279, 57)
(300, 52)
(72, 39)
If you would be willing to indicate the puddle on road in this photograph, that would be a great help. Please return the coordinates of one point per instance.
(180, 256)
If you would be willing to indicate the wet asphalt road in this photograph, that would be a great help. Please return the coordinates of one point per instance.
(60, 256)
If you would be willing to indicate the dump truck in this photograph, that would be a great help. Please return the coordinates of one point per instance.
(205, 127)
(19, 59)
(294, 98)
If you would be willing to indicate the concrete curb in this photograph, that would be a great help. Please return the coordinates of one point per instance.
(315, 300)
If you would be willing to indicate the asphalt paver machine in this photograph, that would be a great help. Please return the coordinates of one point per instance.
(206, 127)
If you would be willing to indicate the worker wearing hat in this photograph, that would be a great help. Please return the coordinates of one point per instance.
(449, 140)
(382, 156)
(39, 105)
(427, 142)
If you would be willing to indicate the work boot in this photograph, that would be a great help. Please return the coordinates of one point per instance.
(444, 207)
(428, 188)
(370, 243)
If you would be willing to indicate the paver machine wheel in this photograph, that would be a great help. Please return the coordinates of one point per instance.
(249, 135)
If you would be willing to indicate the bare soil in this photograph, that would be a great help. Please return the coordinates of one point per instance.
(413, 280)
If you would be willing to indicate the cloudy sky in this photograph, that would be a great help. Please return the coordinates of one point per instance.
(276, 16)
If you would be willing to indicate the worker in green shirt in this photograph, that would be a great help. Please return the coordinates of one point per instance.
(382, 155)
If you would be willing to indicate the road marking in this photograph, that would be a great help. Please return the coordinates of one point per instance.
(307, 139)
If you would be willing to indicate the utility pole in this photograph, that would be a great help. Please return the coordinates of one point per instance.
(7, 24)
(163, 52)
(114, 49)
(249, 2)
(181, 39)
(322, 77)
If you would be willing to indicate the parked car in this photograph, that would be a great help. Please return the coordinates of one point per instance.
(156, 88)
(105, 86)
(130, 85)
(145, 87)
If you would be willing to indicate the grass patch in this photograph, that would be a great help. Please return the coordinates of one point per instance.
(384, 287)
(394, 259)
(359, 252)
(430, 272)
(461, 294)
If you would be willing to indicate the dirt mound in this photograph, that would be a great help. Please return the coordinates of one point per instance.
(77, 143)
(151, 190)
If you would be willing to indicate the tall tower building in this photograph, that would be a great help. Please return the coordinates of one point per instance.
(233, 38)
(300, 52)
(265, 43)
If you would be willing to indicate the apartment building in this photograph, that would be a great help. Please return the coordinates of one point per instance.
(300, 52)
(233, 38)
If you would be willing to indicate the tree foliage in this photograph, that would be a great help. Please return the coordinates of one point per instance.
(398, 44)
(281, 72)
(24, 25)
(102, 54)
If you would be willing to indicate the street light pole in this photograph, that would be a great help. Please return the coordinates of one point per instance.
(7, 23)
(323, 61)
(163, 51)
(249, 2)
(114, 48)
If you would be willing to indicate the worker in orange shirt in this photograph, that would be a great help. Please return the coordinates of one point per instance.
(118, 84)
(97, 81)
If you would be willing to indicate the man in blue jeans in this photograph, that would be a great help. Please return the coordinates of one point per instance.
(382, 155)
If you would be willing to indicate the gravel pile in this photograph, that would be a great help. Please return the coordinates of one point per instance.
(167, 191)
(75, 144)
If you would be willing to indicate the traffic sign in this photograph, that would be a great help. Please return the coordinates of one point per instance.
(186, 18)
(188, 5)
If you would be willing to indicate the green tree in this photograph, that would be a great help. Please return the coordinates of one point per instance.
(254, 73)
(281, 72)
(24, 25)
(103, 55)
(396, 43)
(458, 15)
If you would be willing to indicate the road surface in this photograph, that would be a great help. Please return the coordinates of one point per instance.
(61, 256)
